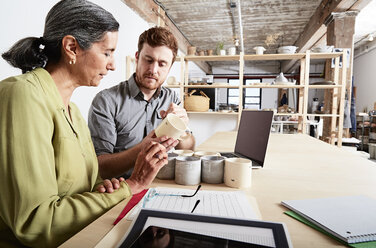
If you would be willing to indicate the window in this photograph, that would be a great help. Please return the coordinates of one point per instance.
(251, 96)
(233, 94)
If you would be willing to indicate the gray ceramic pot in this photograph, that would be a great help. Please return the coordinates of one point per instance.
(167, 172)
(188, 170)
(212, 168)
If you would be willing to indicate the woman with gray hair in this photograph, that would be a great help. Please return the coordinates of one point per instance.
(48, 167)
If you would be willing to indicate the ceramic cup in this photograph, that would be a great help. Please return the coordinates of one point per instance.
(259, 50)
(172, 126)
(167, 172)
(231, 51)
(204, 153)
(188, 170)
(238, 172)
(191, 50)
(185, 153)
(212, 168)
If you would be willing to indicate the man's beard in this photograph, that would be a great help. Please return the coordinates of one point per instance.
(149, 86)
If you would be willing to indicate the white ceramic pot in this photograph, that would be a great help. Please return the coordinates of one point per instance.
(232, 51)
(287, 49)
(323, 49)
(222, 52)
(238, 172)
(259, 50)
(204, 153)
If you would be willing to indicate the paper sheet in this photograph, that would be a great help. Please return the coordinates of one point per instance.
(232, 204)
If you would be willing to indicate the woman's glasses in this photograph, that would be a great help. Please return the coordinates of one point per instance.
(153, 193)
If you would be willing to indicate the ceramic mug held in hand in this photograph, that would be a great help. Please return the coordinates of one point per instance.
(173, 127)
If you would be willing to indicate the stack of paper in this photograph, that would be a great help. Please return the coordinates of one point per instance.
(231, 204)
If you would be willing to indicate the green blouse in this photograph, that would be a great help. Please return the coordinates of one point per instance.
(48, 166)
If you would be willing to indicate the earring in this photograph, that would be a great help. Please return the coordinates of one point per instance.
(72, 62)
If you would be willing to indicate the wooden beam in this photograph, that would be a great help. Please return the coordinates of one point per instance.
(155, 15)
(316, 29)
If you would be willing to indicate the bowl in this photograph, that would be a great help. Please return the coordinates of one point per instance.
(322, 49)
(287, 49)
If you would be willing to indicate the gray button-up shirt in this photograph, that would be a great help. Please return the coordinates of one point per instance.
(119, 117)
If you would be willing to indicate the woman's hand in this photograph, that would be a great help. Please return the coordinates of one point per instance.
(110, 185)
(152, 157)
(167, 142)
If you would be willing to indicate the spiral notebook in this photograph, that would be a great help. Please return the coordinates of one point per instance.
(349, 218)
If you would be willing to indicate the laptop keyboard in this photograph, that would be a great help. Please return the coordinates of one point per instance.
(229, 155)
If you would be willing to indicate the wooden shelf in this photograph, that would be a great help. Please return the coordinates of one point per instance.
(324, 115)
(278, 56)
(324, 86)
(212, 58)
(325, 55)
(274, 56)
(288, 114)
(304, 87)
(172, 86)
(278, 86)
(213, 113)
(212, 86)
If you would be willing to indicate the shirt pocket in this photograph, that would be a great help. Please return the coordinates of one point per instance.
(158, 115)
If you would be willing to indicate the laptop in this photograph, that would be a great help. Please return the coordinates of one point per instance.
(253, 136)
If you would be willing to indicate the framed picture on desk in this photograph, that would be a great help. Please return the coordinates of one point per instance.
(198, 228)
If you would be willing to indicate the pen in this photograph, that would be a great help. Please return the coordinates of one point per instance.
(196, 204)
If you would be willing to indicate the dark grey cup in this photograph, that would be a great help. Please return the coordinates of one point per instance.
(188, 170)
(167, 172)
(212, 169)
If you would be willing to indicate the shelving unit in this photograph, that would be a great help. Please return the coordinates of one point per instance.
(303, 86)
(364, 131)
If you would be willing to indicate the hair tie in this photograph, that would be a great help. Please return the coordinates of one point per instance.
(41, 43)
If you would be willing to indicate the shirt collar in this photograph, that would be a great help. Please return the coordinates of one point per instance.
(48, 85)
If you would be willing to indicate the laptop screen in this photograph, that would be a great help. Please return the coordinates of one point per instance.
(253, 135)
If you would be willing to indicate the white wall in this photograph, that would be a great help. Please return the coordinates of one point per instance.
(365, 80)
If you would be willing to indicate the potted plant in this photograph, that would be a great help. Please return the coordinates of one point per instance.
(221, 48)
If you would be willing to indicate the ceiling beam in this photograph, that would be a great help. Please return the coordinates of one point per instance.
(152, 13)
(316, 29)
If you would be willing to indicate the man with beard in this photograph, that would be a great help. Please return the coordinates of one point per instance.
(123, 118)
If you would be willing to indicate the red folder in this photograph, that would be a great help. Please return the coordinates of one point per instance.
(132, 202)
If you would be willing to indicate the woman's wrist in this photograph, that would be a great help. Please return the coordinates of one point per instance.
(134, 186)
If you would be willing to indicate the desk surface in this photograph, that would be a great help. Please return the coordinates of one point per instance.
(296, 167)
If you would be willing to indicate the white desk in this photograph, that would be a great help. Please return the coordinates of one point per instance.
(296, 167)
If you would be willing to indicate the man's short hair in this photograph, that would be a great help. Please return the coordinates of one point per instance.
(159, 36)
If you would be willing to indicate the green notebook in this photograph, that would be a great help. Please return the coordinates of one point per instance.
(294, 215)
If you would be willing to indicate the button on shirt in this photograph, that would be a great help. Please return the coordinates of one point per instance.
(120, 117)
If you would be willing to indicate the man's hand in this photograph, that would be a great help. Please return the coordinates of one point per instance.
(109, 186)
(178, 110)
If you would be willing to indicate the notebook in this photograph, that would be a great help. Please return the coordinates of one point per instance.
(253, 136)
(349, 218)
